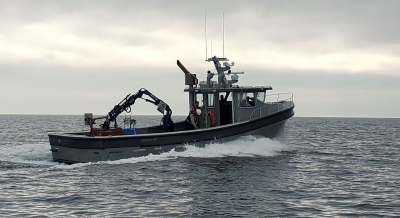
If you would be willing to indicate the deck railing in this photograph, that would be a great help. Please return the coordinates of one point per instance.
(283, 101)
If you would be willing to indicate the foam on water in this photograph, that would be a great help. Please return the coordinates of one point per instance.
(247, 146)
(35, 154)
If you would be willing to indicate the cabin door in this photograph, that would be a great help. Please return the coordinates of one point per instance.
(225, 108)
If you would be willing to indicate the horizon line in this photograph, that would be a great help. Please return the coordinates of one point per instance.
(186, 115)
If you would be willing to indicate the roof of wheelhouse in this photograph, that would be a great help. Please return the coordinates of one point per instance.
(230, 89)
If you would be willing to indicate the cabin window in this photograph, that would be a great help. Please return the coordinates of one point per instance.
(210, 100)
(261, 97)
(199, 98)
(247, 100)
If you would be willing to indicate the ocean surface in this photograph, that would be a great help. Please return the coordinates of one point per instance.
(324, 167)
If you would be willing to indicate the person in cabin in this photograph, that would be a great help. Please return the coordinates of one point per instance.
(193, 117)
(249, 102)
(222, 100)
(196, 106)
(222, 103)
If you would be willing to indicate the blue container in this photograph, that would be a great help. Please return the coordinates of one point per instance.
(131, 131)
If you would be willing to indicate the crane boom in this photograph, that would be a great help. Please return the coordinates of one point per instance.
(129, 100)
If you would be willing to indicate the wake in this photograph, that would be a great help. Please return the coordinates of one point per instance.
(247, 146)
(34, 154)
(39, 155)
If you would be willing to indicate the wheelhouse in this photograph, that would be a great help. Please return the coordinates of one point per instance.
(229, 105)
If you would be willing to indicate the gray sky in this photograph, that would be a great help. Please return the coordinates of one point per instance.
(338, 58)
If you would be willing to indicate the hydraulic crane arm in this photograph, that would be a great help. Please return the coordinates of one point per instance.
(129, 100)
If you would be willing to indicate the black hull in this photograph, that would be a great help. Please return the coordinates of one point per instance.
(77, 147)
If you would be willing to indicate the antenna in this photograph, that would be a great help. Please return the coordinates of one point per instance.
(205, 30)
(223, 36)
(211, 47)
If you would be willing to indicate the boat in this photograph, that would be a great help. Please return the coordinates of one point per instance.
(228, 111)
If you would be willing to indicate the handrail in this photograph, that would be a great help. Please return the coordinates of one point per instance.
(277, 102)
(278, 95)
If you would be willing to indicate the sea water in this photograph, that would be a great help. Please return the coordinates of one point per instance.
(324, 167)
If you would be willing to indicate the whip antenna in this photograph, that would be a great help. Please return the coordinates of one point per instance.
(223, 36)
(211, 48)
(205, 30)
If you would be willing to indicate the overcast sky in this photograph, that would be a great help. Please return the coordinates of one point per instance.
(338, 58)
